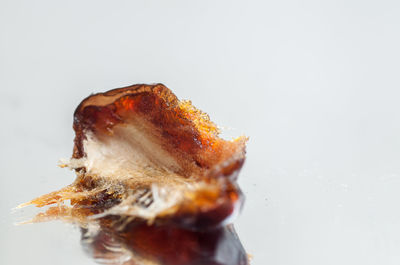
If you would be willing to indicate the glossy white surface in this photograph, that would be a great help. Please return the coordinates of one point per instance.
(315, 84)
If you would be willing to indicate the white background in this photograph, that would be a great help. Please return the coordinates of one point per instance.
(315, 84)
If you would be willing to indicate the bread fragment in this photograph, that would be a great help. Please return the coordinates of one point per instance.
(139, 152)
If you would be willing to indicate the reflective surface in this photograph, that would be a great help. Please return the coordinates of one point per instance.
(317, 85)
(139, 243)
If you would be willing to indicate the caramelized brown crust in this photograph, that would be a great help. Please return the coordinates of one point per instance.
(186, 132)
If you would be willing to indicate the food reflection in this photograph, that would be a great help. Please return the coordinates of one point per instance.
(139, 243)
